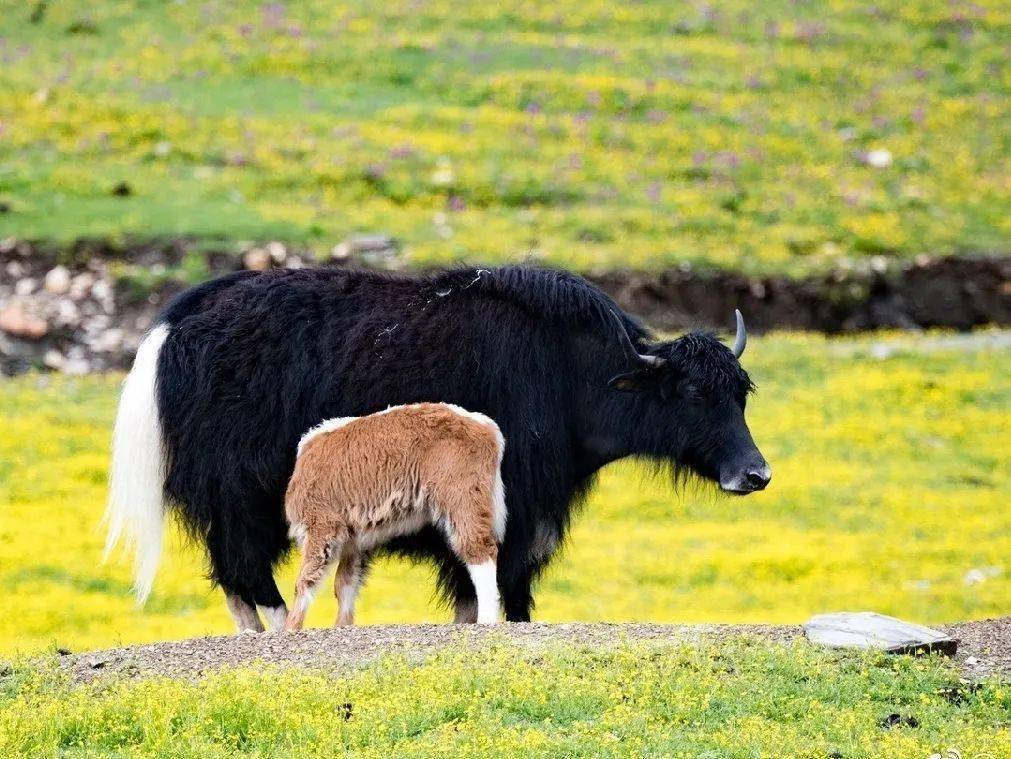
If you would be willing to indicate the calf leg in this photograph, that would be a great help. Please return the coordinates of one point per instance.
(470, 528)
(348, 581)
(318, 553)
(486, 588)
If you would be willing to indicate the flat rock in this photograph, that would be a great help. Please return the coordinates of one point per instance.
(373, 249)
(868, 629)
(17, 321)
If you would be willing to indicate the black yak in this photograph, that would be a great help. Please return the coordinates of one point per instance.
(239, 368)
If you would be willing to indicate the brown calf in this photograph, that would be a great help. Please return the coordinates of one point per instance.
(360, 481)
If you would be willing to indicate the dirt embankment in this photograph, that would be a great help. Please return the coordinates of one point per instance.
(956, 293)
(984, 648)
(85, 307)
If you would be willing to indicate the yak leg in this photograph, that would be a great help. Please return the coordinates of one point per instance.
(456, 587)
(241, 563)
(268, 598)
(275, 616)
(318, 553)
(261, 594)
(347, 583)
(517, 584)
(465, 609)
(519, 602)
(243, 613)
(518, 599)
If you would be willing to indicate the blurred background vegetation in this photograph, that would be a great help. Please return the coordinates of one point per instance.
(776, 137)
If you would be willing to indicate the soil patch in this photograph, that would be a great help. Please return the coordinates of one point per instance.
(985, 646)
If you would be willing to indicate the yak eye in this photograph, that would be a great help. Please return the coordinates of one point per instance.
(691, 392)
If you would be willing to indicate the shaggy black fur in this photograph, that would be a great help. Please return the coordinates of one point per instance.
(252, 361)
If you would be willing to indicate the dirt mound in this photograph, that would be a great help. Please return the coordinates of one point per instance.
(985, 646)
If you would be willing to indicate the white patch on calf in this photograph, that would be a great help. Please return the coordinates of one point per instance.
(366, 541)
(298, 532)
(306, 600)
(327, 425)
(486, 588)
(499, 502)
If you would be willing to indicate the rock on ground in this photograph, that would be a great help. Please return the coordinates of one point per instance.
(868, 629)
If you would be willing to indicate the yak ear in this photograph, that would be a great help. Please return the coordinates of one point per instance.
(634, 382)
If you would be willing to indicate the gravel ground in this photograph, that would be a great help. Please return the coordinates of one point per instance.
(985, 646)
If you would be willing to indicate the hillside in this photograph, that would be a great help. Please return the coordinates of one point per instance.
(773, 138)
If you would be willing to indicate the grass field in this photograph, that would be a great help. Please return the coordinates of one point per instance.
(744, 699)
(890, 493)
(772, 137)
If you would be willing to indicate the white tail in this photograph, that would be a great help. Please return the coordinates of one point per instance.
(136, 509)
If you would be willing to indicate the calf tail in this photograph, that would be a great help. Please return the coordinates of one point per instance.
(498, 499)
(136, 508)
(498, 490)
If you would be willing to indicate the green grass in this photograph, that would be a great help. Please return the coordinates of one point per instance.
(890, 486)
(742, 699)
(578, 133)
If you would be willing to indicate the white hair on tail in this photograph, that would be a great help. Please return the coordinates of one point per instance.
(136, 508)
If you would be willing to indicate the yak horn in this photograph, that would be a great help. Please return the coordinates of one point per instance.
(741, 340)
(630, 351)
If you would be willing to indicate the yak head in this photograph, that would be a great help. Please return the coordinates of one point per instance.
(691, 394)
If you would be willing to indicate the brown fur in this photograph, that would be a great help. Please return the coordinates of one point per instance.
(357, 485)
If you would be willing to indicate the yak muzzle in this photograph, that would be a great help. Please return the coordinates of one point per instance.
(751, 478)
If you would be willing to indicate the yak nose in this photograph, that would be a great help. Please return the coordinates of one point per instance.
(758, 477)
(753, 477)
